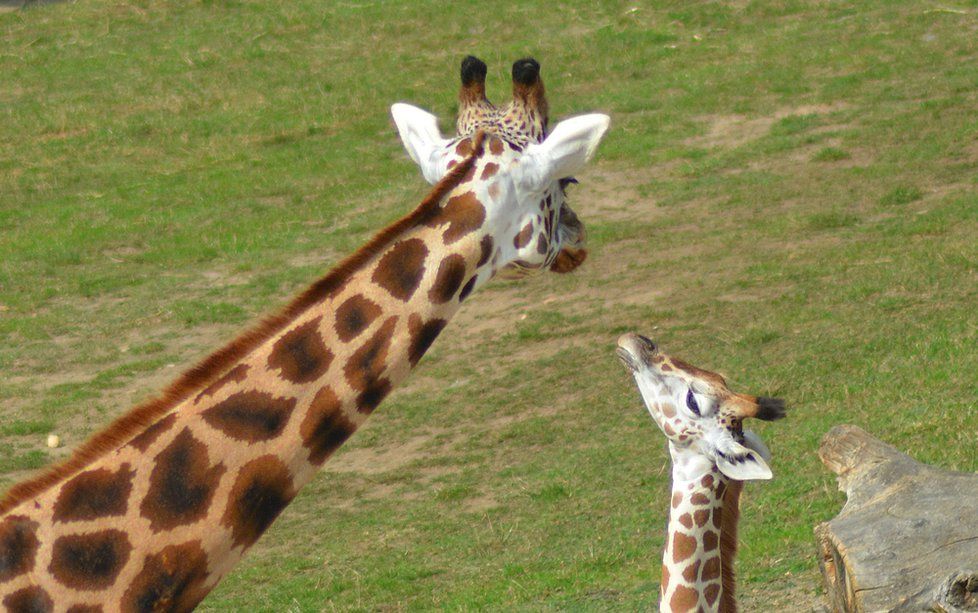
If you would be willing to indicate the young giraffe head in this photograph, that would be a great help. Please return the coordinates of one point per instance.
(520, 163)
(711, 456)
(697, 412)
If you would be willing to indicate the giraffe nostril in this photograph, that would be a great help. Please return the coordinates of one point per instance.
(648, 344)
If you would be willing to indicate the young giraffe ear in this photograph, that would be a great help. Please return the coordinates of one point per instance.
(565, 151)
(419, 133)
(741, 463)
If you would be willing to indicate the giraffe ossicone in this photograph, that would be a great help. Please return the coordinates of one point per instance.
(152, 512)
(712, 455)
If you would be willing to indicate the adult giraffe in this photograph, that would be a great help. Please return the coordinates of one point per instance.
(151, 513)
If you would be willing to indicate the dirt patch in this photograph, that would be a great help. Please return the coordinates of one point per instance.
(479, 504)
(119, 255)
(378, 460)
(612, 195)
(793, 595)
(729, 131)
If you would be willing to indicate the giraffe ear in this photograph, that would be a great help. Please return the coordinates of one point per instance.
(752, 441)
(741, 463)
(564, 153)
(419, 133)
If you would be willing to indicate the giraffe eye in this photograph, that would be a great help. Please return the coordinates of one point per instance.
(691, 402)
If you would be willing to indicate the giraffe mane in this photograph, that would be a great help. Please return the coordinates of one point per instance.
(214, 365)
(728, 545)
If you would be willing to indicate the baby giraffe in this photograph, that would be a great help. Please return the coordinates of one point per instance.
(712, 455)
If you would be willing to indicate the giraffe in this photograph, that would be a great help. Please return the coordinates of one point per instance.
(712, 455)
(152, 512)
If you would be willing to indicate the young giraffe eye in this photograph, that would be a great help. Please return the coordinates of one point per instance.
(691, 402)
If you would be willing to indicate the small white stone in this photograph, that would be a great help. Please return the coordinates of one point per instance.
(54, 441)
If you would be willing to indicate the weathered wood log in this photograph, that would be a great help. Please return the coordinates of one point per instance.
(907, 537)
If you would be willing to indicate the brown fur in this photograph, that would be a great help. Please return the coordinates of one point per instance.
(474, 92)
(728, 545)
(213, 366)
(535, 97)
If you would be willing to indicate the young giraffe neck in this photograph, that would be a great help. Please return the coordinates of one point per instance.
(697, 564)
(159, 520)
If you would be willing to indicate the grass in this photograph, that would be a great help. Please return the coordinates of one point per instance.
(786, 195)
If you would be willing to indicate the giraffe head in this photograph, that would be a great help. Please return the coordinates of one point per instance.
(698, 412)
(522, 172)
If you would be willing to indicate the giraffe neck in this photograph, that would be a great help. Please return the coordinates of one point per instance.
(693, 562)
(161, 519)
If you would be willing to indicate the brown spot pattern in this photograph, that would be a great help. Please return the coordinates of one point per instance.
(250, 416)
(464, 147)
(85, 608)
(181, 485)
(369, 361)
(370, 398)
(699, 499)
(422, 336)
(400, 270)
(147, 437)
(523, 238)
(300, 354)
(686, 521)
(683, 547)
(18, 546)
(710, 541)
(486, 245)
(325, 427)
(90, 561)
(711, 592)
(30, 599)
(683, 599)
(235, 375)
(495, 145)
(463, 214)
(668, 410)
(451, 273)
(711, 569)
(467, 289)
(542, 244)
(94, 494)
(261, 491)
(701, 517)
(677, 497)
(354, 316)
(489, 170)
(171, 580)
(691, 571)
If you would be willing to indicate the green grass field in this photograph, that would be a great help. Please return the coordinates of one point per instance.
(787, 195)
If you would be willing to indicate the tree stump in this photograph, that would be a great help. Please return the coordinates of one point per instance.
(907, 537)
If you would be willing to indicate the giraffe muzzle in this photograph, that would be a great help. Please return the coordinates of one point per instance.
(573, 241)
(635, 350)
